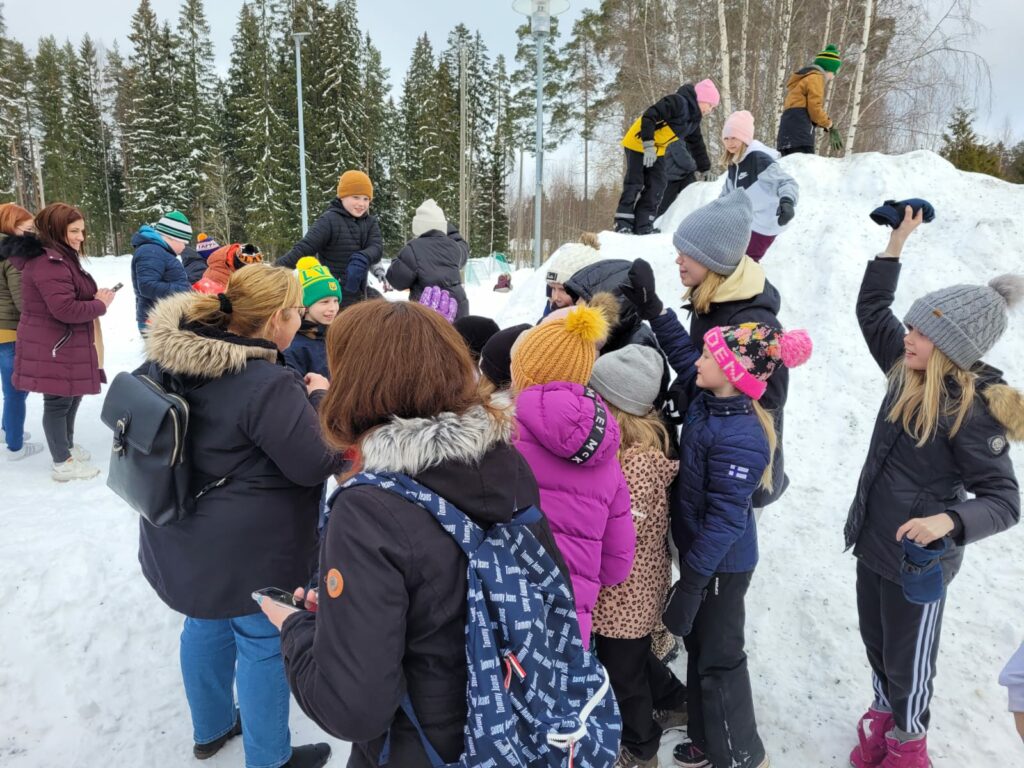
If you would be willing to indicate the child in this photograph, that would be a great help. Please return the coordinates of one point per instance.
(566, 262)
(804, 107)
(431, 258)
(941, 434)
(346, 238)
(321, 296)
(752, 166)
(651, 698)
(223, 262)
(726, 446)
(570, 442)
(476, 331)
(195, 259)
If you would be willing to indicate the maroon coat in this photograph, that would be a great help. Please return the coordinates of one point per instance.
(56, 351)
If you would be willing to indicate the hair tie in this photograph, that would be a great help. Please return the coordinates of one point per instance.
(225, 303)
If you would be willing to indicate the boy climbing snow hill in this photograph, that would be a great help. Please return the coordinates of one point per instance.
(804, 107)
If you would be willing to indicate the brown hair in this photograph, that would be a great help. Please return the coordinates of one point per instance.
(256, 294)
(12, 215)
(393, 359)
(53, 221)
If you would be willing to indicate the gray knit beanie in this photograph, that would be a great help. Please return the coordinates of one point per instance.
(717, 235)
(629, 378)
(965, 321)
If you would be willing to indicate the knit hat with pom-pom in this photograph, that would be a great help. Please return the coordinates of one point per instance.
(965, 321)
(561, 350)
(570, 258)
(749, 353)
(316, 281)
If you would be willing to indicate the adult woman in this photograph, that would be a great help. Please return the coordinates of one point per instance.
(401, 624)
(253, 429)
(17, 226)
(57, 352)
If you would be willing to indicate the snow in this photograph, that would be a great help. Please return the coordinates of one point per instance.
(89, 674)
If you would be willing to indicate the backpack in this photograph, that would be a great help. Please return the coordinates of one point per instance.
(535, 697)
(148, 467)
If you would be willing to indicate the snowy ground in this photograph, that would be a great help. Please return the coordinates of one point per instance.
(89, 671)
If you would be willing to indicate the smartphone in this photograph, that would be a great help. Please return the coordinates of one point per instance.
(281, 596)
(117, 287)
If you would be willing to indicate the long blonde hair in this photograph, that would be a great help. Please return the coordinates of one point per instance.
(768, 425)
(922, 398)
(701, 296)
(256, 293)
(648, 431)
(729, 158)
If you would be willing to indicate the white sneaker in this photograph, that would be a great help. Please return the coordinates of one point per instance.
(3, 435)
(27, 449)
(78, 453)
(73, 469)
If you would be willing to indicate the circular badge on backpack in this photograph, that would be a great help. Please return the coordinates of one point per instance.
(335, 583)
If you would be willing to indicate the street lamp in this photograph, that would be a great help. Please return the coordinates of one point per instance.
(298, 38)
(540, 13)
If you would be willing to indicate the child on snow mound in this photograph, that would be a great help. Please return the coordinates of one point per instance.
(941, 434)
(651, 698)
(752, 167)
(565, 262)
(223, 263)
(570, 441)
(321, 296)
(804, 107)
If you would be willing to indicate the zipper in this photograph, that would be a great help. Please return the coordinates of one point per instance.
(60, 343)
(178, 454)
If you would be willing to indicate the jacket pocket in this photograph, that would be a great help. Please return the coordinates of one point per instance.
(61, 342)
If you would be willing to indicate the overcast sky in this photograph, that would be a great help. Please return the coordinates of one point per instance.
(395, 25)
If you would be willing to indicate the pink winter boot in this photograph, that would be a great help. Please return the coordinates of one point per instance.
(871, 730)
(907, 754)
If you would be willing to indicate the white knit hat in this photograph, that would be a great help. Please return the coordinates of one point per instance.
(568, 260)
(429, 216)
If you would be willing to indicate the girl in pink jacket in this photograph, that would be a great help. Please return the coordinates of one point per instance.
(570, 442)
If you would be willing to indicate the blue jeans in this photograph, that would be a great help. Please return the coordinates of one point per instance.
(216, 653)
(14, 400)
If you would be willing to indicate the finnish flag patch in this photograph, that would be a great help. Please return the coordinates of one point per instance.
(740, 473)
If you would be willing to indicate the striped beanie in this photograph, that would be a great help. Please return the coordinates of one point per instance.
(829, 59)
(174, 224)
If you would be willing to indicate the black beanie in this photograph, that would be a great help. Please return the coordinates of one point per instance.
(496, 356)
(476, 330)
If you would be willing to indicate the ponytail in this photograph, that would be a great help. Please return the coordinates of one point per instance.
(252, 297)
(768, 425)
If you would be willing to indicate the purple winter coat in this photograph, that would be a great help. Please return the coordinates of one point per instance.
(56, 351)
(586, 503)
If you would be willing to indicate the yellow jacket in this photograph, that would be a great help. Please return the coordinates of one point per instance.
(663, 136)
(806, 90)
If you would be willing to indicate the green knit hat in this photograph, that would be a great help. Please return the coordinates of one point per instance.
(316, 281)
(829, 59)
(174, 224)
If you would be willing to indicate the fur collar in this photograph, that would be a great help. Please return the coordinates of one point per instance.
(191, 351)
(411, 446)
(1006, 405)
(21, 247)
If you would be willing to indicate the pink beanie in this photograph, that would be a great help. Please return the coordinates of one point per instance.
(707, 92)
(739, 125)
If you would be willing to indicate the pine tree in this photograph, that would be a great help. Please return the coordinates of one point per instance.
(490, 231)
(18, 179)
(418, 133)
(964, 150)
(49, 95)
(193, 106)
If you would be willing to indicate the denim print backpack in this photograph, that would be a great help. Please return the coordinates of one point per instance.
(535, 696)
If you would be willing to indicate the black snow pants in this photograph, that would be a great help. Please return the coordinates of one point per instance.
(642, 189)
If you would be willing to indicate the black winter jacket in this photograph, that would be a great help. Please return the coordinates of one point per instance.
(679, 164)
(900, 481)
(195, 265)
(399, 624)
(250, 421)
(308, 350)
(681, 112)
(433, 258)
(334, 237)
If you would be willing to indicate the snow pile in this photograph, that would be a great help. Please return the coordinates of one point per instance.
(89, 674)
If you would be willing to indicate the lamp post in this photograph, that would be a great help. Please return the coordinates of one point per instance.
(298, 37)
(540, 13)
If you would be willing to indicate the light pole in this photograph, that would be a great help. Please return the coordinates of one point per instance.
(298, 37)
(540, 13)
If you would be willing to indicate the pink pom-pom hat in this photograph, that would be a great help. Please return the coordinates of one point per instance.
(749, 353)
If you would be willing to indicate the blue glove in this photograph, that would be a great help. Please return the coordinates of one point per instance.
(891, 212)
(921, 571)
(355, 275)
(684, 601)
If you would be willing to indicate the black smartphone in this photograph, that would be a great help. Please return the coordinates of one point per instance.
(117, 287)
(281, 596)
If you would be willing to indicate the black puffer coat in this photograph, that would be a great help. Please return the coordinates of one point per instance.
(195, 265)
(334, 237)
(399, 623)
(433, 258)
(901, 481)
(251, 422)
(680, 112)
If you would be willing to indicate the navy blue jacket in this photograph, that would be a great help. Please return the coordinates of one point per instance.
(308, 351)
(156, 271)
(723, 453)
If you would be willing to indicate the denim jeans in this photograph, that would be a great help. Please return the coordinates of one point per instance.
(246, 652)
(14, 400)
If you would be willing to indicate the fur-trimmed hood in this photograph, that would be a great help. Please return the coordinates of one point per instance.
(1006, 405)
(412, 446)
(21, 249)
(199, 352)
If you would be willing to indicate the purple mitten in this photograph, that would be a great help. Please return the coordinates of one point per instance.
(440, 301)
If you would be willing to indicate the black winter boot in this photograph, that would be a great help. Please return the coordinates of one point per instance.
(211, 748)
(309, 756)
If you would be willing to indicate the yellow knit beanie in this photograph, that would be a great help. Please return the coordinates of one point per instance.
(355, 183)
(560, 350)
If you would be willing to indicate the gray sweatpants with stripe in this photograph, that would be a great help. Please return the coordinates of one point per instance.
(902, 643)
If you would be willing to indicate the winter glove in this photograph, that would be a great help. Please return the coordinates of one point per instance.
(785, 211)
(378, 271)
(650, 154)
(891, 212)
(921, 571)
(835, 139)
(707, 176)
(358, 265)
(440, 301)
(684, 601)
(640, 291)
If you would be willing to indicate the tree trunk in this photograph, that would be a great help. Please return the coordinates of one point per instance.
(858, 84)
(745, 73)
(787, 23)
(723, 54)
